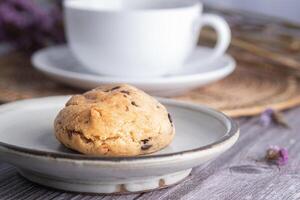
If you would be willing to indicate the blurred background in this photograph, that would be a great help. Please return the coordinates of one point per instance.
(265, 45)
(31, 24)
(288, 9)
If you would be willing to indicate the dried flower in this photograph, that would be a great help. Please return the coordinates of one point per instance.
(28, 26)
(277, 155)
(266, 117)
(269, 115)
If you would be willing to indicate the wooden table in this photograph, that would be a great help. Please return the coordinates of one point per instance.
(238, 174)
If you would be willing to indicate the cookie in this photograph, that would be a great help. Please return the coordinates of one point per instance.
(114, 120)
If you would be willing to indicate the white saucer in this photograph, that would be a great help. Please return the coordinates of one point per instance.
(27, 141)
(59, 63)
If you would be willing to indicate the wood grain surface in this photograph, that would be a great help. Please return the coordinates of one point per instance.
(238, 174)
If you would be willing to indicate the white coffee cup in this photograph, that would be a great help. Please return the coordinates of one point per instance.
(138, 38)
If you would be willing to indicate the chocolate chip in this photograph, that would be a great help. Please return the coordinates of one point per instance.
(134, 104)
(170, 119)
(145, 141)
(73, 132)
(115, 88)
(125, 92)
(157, 106)
(70, 134)
(146, 146)
(86, 140)
(124, 96)
(112, 89)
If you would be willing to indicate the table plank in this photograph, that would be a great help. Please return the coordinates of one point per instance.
(255, 180)
(13, 186)
(238, 175)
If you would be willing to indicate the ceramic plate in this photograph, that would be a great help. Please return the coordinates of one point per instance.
(59, 63)
(27, 141)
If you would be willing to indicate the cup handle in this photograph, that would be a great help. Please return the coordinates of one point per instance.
(223, 34)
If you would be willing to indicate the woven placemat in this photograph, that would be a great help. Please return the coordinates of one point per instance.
(248, 91)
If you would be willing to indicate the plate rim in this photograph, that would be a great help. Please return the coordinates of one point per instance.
(231, 132)
(96, 78)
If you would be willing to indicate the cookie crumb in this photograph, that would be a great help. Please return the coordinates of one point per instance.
(162, 183)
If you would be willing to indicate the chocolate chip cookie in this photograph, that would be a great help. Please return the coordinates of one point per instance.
(114, 120)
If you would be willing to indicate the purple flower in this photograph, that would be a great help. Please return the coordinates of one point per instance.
(269, 115)
(277, 155)
(283, 157)
(28, 26)
(266, 117)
